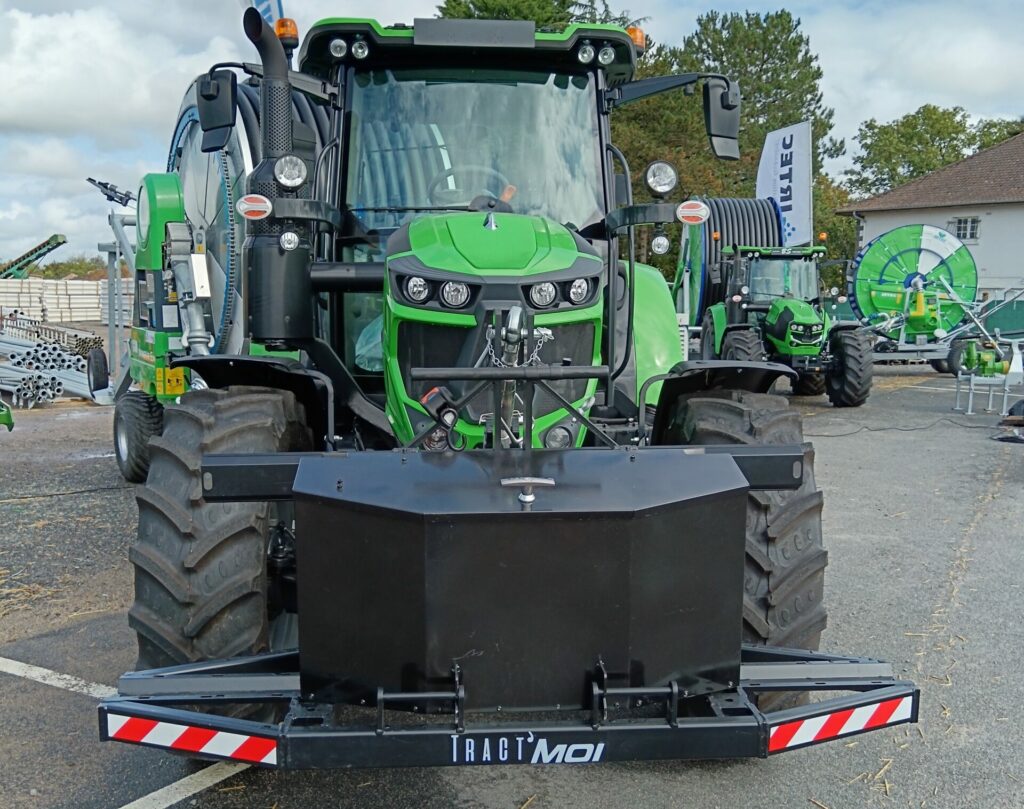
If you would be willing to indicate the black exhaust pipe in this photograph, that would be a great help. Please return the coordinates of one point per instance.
(276, 90)
(279, 290)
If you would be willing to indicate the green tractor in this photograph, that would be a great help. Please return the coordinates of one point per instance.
(6, 417)
(422, 486)
(756, 300)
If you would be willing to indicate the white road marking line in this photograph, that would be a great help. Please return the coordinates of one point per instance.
(188, 786)
(55, 679)
(161, 798)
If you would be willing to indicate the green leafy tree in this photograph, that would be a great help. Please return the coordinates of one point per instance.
(991, 131)
(909, 147)
(546, 13)
(778, 73)
(918, 143)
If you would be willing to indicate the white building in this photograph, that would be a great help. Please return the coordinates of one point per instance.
(980, 200)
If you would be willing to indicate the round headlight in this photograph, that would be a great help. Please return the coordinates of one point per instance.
(579, 290)
(289, 240)
(339, 47)
(661, 178)
(558, 437)
(290, 171)
(744, 290)
(606, 55)
(586, 53)
(360, 50)
(417, 289)
(542, 294)
(455, 294)
(660, 244)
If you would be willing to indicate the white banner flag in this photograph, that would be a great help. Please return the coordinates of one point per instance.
(784, 174)
(271, 10)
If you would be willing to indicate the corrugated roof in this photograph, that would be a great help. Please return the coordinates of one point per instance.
(994, 175)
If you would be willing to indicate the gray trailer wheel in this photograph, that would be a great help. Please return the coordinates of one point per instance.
(784, 576)
(848, 382)
(138, 417)
(201, 568)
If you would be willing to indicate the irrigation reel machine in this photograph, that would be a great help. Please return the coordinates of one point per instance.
(423, 487)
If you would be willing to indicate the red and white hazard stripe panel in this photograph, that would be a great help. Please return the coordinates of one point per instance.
(234, 746)
(841, 723)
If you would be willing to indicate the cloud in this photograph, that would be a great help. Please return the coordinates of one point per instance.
(93, 87)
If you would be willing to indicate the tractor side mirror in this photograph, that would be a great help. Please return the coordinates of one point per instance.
(217, 101)
(722, 117)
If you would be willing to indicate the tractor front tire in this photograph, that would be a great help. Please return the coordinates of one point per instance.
(742, 345)
(784, 573)
(809, 385)
(138, 417)
(201, 568)
(707, 338)
(848, 382)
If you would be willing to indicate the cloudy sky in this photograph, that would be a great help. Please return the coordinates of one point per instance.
(92, 87)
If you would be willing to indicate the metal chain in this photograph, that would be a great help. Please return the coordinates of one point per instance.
(543, 336)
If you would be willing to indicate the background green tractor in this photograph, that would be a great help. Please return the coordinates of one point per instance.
(6, 417)
(755, 300)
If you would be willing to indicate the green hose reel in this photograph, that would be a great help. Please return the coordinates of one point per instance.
(918, 277)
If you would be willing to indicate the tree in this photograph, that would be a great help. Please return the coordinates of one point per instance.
(778, 74)
(991, 131)
(909, 147)
(920, 142)
(546, 13)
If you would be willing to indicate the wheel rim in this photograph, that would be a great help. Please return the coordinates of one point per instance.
(121, 440)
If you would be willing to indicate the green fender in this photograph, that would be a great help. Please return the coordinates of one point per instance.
(6, 419)
(655, 330)
(161, 200)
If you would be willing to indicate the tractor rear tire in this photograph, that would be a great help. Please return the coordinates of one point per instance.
(742, 345)
(201, 568)
(138, 417)
(707, 338)
(809, 385)
(848, 383)
(784, 575)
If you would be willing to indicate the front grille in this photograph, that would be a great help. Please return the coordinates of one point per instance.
(422, 345)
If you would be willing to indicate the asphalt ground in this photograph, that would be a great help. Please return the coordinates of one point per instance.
(923, 521)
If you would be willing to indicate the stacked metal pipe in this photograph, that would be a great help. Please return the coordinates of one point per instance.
(37, 372)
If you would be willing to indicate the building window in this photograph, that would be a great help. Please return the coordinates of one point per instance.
(966, 228)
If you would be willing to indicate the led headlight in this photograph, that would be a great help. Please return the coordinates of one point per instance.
(660, 178)
(339, 47)
(290, 171)
(417, 289)
(558, 437)
(360, 50)
(542, 294)
(579, 290)
(586, 53)
(606, 55)
(454, 294)
(660, 244)
(289, 240)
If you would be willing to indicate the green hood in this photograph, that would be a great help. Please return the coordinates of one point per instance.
(492, 244)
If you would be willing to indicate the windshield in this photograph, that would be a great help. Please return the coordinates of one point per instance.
(783, 278)
(426, 139)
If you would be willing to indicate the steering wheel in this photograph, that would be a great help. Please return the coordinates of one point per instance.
(433, 189)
